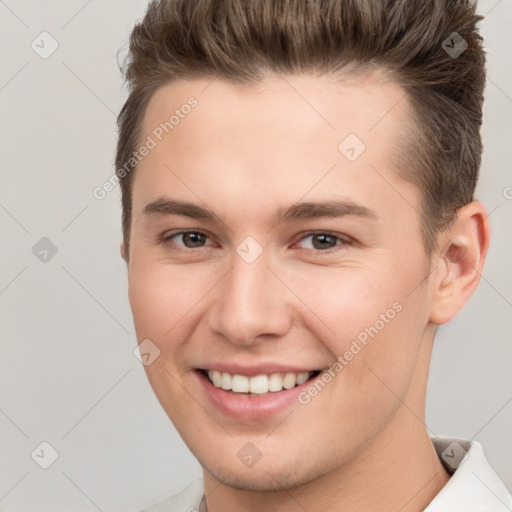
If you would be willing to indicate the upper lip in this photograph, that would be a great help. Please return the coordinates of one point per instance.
(260, 369)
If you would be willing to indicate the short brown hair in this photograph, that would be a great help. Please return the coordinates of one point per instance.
(242, 40)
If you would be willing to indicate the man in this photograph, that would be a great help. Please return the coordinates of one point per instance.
(298, 218)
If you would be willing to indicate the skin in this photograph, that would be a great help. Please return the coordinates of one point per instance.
(245, 152)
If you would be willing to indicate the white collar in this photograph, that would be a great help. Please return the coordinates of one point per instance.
(474, 486)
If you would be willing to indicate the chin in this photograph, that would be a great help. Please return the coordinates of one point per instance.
(263, 477)
(260, 482)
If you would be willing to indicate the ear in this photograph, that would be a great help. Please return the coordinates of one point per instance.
(122, 250)
(460, 262)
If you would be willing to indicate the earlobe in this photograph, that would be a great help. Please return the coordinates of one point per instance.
(460, 262)
(123, 252)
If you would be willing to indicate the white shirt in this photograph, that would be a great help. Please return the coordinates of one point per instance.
(473, 487)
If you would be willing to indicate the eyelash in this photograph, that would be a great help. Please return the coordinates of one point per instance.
(166, 240)
(342, 240)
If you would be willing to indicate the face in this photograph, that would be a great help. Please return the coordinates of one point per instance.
(268, 250)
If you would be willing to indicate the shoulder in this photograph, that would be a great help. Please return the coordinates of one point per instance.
(187, 500)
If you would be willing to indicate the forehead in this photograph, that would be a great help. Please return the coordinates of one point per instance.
(366, 104)
(282, 134)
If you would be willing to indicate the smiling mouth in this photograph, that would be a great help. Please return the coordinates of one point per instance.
(258, 385)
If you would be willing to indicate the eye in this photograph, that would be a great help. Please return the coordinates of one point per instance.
(188, 239)
(321, 241)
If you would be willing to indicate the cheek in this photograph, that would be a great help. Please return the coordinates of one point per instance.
(348, 300)
(162, 299)
(376, 343)
(369, 318)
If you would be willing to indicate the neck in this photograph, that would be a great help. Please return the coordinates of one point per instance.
(392, 474)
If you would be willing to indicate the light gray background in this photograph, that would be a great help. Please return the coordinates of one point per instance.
(68, 375)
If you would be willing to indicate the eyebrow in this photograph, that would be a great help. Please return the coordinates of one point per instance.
(164, 206)
(324, 210)
(299, 211)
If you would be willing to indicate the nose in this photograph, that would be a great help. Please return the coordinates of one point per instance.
(250, 304)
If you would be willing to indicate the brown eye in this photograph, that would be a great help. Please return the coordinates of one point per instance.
(193, 239)
(320, 241)
(324, 241)
(186, 239)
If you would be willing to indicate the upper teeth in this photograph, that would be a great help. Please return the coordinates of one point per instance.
(257, 384)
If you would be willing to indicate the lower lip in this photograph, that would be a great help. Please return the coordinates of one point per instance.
(247, 407)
